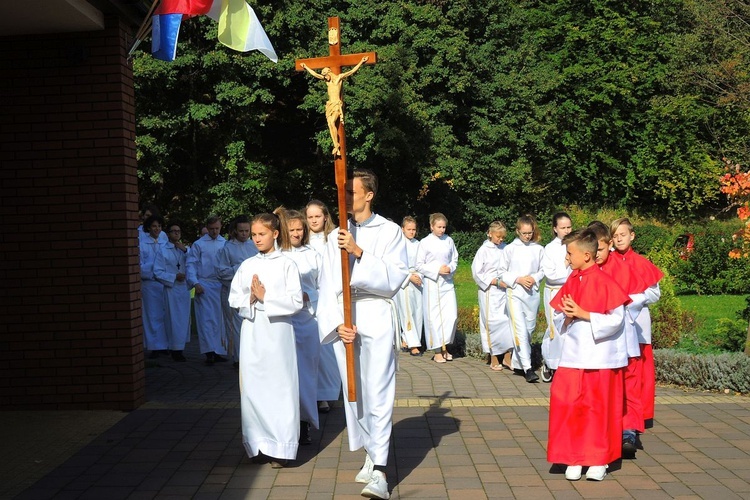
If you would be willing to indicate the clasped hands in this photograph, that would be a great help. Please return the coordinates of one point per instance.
(526, 281)
(257, 290)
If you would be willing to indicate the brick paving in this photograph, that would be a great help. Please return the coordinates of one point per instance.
(461, 431)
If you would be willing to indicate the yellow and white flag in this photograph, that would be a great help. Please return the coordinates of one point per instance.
(239, 28)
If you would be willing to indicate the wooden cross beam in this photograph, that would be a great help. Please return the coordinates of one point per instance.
(331, 74)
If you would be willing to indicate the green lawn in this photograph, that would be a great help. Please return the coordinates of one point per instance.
(711, 308)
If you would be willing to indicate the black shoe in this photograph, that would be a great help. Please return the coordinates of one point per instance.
(219, 359)
(531, 376)
(210, 358)
(628, 447)
(304, 434)
(177, 356)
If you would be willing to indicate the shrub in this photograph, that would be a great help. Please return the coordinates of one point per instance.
(650, 237)
(468, 242)
(709, 269)
(670, 323)
(468, 320)
(730, 335)
(713, 372)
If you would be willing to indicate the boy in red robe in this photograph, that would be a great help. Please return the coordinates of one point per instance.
(632, 284)
(586, 396)
(623, 236)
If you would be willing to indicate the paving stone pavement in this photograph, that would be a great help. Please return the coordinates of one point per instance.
(461, 431)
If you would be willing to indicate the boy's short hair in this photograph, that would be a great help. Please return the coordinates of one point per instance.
(212, 219)
(368, 179)
(600, 229)
(586, 239)
(619, 222)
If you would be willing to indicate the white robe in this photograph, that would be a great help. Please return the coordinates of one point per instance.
(494, 326)
(171, 261)
(439, 306)
(269, 387)
(231, 255)
(643, 320)
(201, 266)
(152, 298)
(163, 239)
(522, 259)
(409, 301)
(556, 273)
(306, 333)
(375, 279)
(329, 378)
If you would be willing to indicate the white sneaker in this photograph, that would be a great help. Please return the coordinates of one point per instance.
(573, 472)
(377, 487)
(596, 472)
(363, 476)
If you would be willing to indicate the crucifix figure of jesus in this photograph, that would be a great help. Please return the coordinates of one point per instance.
(335, 104)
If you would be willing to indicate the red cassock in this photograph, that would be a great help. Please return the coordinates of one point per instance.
(586, 405)
(631, 283)
(650, 275)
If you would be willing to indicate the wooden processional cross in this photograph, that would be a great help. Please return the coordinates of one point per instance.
(330, 67)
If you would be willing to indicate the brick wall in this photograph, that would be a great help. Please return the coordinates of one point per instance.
(70, 320)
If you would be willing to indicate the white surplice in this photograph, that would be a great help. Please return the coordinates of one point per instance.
(409, 301)
(306, 332)
(269, 386)
(152, 297)
(522, 259)
(329, 378)
(440, 310)
(231, 255)
(170, 262)
(556, 273)
(494, 326)
(201, 267)
(375, 278)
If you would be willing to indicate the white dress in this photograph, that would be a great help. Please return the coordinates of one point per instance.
(494, 326)
(171, 261)
(522, 259)
(306, 332)
(231, 255)
(409, 301)
(556, 273)
(375, 279)
(152, 297)
(201, 267)
(269, 388)
(329, 378)
(439, 306)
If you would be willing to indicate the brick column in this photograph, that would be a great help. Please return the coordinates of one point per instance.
(70, 315)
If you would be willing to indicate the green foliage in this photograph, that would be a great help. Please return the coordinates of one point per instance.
(730, 335)
(481, 110)
(468, 320)
(468, 243)
(709, 269)
(712, 372)
(670, 323)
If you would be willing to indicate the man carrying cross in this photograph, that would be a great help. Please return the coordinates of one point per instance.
(334, 105)
(376, 250)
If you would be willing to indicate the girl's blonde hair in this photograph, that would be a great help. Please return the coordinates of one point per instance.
(497, 227)
(436, 217)
(409, 219)
(328, 225)
(274, 223)
(531, 221)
